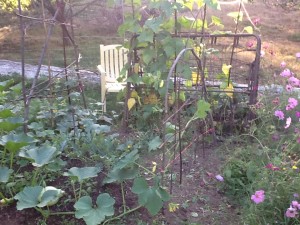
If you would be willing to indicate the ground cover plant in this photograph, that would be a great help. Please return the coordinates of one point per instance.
(67, 163)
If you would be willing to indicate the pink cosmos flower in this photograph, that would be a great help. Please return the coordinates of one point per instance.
(288, 122)
(279, 114)
(266, 46)
(286, 73)
(294, 81)
(219, 178)
(296, 195)
(297, 114)
(283, 64)
(256, 21)
(250, 44)
(272, 167)
(291, 212)
(292, 103)
(298, 55)
(289, 88)
(262, 53)
(295, 205)
(258, 197)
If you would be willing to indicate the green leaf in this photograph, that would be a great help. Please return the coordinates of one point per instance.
(82, 173)
(94, 215)
(202, 108)
(164, 195)
(11, 123)
(154, 203)
(182, 96)
(5, 84)
(17, 88)
(119, 175)
(40, 155)
(83, 207)
(216, 21)
(150, 197)
(105, 203)
(127, 160)
(139, 186)
(236, 15)
(124, 169)
(6, 113)
(49, 196)
(154, 24)
(38, 196)
(4, 174)
(13, 142)
(188, 4)
(148, 55)
(36, 126)
(213, 4)
(28, 198)
(154, 143)
(146, 36)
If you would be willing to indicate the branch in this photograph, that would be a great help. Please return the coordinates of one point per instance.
(28, 100)
(86, 6)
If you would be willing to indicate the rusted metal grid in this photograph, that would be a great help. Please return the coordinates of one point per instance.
(207, 55)
(240, 51)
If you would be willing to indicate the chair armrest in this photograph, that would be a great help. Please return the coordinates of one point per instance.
(101, 70)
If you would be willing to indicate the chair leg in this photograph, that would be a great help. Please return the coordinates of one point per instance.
(103, 101)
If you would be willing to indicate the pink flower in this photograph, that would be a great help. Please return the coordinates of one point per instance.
(295, 205)
(286, 73)
(289, 88)
(294, 81)
(283, 64)
(272, 167)
(275, 137)
(288, 122)
(266, 46)
(219, 178)
(256, 21)
(258, 197)
(292, 103)
(279, 114)
(297, 114)
(291, 212)
(262, 53)
(298, 55)
(250, 44)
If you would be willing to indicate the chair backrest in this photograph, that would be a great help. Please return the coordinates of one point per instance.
(112, 59)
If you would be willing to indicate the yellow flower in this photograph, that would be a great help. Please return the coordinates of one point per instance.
(294, 167)
(173, 207)
(154, 167)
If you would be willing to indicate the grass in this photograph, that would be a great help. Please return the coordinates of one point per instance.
(87, 41)
(294, 37)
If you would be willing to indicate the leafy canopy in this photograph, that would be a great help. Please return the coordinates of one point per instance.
(10, 5)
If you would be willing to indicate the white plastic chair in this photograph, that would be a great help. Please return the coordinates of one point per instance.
(112, 60)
